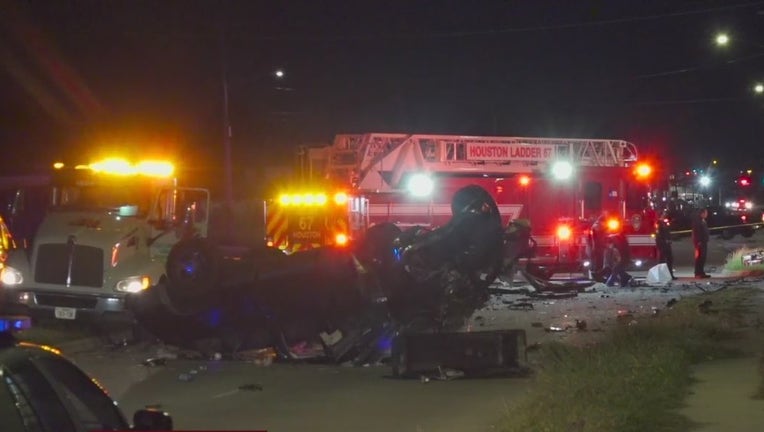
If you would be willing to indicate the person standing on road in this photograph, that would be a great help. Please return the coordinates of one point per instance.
(597, 244)
(700, 237)
(663, 243)
(616, 257)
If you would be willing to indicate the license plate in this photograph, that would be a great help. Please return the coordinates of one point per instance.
(65, 313)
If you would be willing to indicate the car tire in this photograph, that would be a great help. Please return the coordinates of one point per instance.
(727, 234)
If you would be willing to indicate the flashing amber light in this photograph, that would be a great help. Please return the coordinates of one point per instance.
(118, 166)
(613, 224)
(340, 198)
(341, 239)
(155, 168)
(114, 166)
(524, 180)
(270, 243)
(564, 232)
(644, 170)
(307, 199)
(58, 165)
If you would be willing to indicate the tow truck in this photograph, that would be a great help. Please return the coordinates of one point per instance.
(106, 234)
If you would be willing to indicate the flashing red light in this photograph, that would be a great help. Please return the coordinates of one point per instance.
(341, 239)
(564, 232)
(613, 224)
(744, 181)
(524, 180)
(643, 170)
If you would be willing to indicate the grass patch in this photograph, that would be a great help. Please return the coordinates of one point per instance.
(760, 390)
(635, 380)
(734, 263)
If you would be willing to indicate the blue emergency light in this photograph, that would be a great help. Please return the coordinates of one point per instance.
(14, 323)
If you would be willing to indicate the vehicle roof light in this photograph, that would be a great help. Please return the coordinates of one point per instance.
(155, 168)
(321, 199)
(285, 199)
(644, 170)
(114, 166)
(58, 165)
(340, 198)
(117, 166)
(420, 185)
(562, 170)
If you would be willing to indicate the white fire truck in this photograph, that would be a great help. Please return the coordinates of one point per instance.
(560, 185)
(107, 232)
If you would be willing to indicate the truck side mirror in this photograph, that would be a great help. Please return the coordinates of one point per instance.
(151, 419)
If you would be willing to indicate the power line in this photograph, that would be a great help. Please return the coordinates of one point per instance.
(508, 30)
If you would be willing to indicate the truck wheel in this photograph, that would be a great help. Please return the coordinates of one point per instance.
(747, 232)
(727, 234)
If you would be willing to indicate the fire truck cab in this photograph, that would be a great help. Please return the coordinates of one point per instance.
(560, 185)
(106, 234)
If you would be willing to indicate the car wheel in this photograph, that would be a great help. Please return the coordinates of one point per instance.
(727, 234)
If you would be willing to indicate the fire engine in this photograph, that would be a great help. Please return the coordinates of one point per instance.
(560, 185)
(106, 233)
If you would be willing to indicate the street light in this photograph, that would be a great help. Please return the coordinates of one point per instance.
(758, 88)
(722, 39)
(279, 73)
(705, 181)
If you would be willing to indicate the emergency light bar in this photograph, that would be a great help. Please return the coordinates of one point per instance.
(311, 199)
(121, 167)
(15, 323)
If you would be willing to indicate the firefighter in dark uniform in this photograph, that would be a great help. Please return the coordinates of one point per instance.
(597, 244)
(700, 237)
(663, 243)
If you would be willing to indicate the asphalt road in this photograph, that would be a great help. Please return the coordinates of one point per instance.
(322, 398)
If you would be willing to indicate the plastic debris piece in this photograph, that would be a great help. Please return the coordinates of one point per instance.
(154, 362)
(581, 325)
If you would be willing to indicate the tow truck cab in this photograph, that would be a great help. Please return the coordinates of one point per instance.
(106, 234)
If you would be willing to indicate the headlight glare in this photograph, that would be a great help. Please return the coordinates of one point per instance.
(133, 284)
(9, 276)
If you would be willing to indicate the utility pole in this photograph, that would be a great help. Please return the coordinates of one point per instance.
(227, 133)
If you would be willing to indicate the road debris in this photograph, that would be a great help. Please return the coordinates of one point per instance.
(154, 362)
(251, 387)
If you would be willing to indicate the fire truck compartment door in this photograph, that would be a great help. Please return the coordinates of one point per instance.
(306, 227)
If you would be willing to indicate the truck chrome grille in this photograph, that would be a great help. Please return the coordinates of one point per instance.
(52, 265)
(66, 301)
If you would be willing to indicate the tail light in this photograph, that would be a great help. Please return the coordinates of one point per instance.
(564, 232)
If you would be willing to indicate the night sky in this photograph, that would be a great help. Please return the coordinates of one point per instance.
(79, 77)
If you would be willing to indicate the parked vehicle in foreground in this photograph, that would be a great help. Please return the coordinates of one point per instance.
(40, 390)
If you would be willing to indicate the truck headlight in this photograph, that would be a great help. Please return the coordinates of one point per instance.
(133, 284)
(9, 276)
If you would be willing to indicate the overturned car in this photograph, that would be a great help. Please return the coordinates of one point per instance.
(338, 303)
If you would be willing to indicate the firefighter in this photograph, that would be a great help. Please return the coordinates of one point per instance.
(663, 243)
(597, 244)
(700, 241)
(616, 257)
